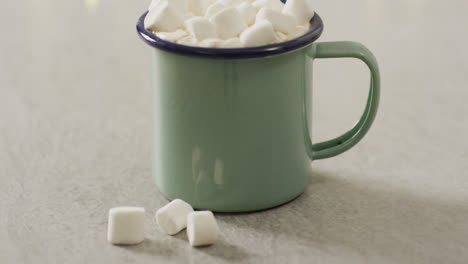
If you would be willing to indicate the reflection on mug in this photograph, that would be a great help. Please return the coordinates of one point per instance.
(91, 5)
(196, 158)
(218, 172)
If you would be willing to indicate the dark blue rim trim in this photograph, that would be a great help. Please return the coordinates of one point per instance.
(314, 33)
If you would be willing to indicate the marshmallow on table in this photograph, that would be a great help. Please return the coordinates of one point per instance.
(213, 9)
(126, 225)
(201, 28)
(163, 17)
(248, 12)
(300, 9)
(276, 5)
(281, 22)
(172, 217)
(202, 228)
(229, 43)
(198, 7)
(172, 36)
(261, 33)
(228, 23)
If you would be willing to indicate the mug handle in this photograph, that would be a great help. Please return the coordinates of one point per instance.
(347, 49)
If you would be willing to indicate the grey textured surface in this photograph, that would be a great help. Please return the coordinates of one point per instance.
(75, 141)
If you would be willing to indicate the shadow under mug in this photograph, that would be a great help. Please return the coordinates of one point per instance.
(231, 126)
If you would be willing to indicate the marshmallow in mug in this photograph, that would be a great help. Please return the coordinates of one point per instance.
(163, 17)
(214, 9)
(300, 9)
(276, 5)
(201, 28)
(248, 12)
(280, 22)
(228, 23)
(259, 34)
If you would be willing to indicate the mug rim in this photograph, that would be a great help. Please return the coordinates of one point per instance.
(316, 28)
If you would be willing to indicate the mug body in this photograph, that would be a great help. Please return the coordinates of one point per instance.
(230, 126)
(229, 134)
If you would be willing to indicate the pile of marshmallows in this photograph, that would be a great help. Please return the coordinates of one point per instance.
(126, 224)
(228, 23)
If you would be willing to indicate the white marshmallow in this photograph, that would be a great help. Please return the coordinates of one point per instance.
(300, 30)
(209, 42)
(172, 217)
(172, 36)
(248, 12)
(180, 5)
(153, 4)
(281, 36)
(202, 228)
(188, 15)
(187, 41)
(229, 43)
(300, 9)
(230, 3)
(126, 225)
(163, 17)
(198, 7)
(214, 9)
(201, 28)
(228, 20)
(281, 22)
(228, 23)
(276, 5)
(260, 33)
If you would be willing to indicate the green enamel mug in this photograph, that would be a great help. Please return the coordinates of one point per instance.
(230, 126)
